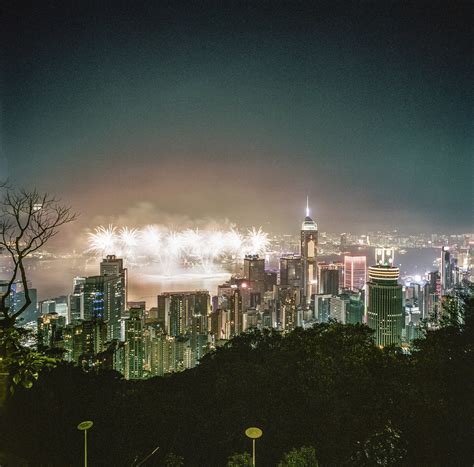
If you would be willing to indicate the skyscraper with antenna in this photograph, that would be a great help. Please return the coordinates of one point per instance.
(309, 252)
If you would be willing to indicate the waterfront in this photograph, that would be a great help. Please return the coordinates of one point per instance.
(53, 276)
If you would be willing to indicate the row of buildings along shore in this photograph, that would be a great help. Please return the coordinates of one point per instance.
(97, 327)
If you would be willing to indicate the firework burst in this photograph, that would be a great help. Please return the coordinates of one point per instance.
(174, 249)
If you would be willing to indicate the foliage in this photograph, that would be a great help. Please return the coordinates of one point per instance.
(302, 457)
(173, 460)
(23, 363)
(381, 448)
(239, 460)
(328, 387)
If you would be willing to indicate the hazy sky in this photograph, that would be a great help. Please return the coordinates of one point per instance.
(238, 110)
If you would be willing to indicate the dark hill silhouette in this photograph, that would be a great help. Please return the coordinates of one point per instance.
(328, 387)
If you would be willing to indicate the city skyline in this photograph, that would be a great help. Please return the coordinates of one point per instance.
(236, 233)
(248, 108)
(197, 260)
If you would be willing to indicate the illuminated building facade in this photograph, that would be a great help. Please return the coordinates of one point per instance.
(50, 329)
(446, 270)
(291, 271)
(355, 272)
(288, 307)
(385, 305)
(76, 300)
(117, 283)
(103, 301)
(384, 256)
(309, 252)
(329, 278)
(254, 271)
(134, 345)
(180, 312)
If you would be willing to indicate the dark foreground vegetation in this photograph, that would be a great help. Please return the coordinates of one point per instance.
(328, 387)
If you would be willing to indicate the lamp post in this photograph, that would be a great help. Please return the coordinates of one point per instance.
(253, 433)
(84, 426)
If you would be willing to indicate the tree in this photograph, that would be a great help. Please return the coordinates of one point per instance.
(239, 460)
(382, 448)
(173, 460)
(28, 220)
(302, 457)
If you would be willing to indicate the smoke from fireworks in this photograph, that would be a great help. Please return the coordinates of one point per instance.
(172, 250)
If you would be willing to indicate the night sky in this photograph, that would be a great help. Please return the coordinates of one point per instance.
(239, 110)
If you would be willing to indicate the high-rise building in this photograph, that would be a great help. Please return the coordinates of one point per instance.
(384, 256)
(180, 312)
(446, 270)
(309, 252)
(254, 271)
(385, 304)
(354, 307)
(355, 272)
(163, 355)
(235, 311)
(17, 299)
(113, 266)
(76, 300)
(117, 290)
(329, 278)
(322, 307)
(291, 271)
(343, 243)
(220, 324)
(85, 340)
(337, 309)
(47, 306)
(288, 304)
(50, 328)
(134, 347)
(103, 301)
(271, 279)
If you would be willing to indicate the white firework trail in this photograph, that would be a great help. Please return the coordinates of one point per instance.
(103, 240)
(257, 241)
(173, 249)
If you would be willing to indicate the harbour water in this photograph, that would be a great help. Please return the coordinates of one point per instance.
(53, 276)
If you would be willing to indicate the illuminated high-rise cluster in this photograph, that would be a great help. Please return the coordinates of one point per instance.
(103, 329)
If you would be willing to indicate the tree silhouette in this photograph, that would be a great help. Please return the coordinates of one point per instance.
(28, 220)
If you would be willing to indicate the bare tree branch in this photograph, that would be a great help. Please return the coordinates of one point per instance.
(28, 220)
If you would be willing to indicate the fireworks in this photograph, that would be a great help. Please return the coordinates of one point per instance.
(173, 250)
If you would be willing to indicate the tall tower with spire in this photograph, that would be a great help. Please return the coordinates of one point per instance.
(309, 252)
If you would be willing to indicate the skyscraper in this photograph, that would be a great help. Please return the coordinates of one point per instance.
(309, 252)
(134, 346)
(446, 270)
(254, 272)
(329, 278)
(76, 300)
(117, 280)
(287, 305)
(17, 299)
(384, 304)
(254, 269)
(181, 312)
(291, 271)
(343, 243)
(355, 272)
(384, 256)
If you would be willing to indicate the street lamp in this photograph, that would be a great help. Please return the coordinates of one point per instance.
(253, 433)
(84, 426)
